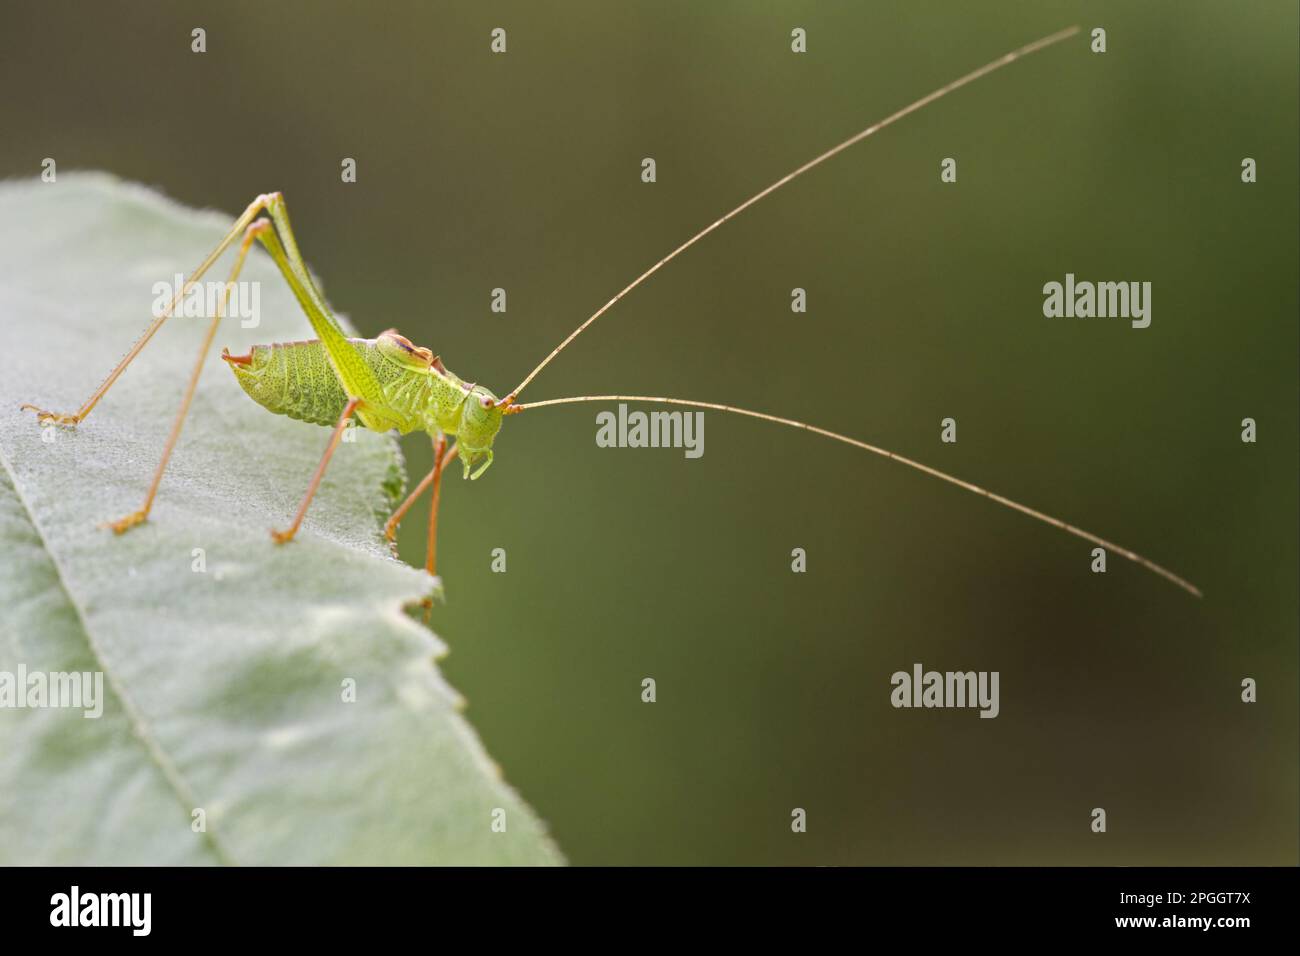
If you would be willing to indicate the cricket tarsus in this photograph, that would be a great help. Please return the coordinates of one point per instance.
(892, 456)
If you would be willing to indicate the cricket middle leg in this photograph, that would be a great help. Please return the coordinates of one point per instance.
(280, 537)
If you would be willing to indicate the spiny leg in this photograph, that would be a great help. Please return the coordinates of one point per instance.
(441, 459)
(440, 463)
(391, 526)
(136, 517)
(434, 478)
(282, 536)
(431, 547)
(69, 419)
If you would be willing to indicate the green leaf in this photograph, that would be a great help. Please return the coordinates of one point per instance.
(223, 688)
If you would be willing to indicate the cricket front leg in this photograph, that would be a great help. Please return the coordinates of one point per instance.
(441, 459)
(70, 419)
(391, 526)
(281, 537)
(431, 546)
(136, 517)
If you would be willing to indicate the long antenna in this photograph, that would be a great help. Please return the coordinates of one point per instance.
(892, 456)
(835, 150)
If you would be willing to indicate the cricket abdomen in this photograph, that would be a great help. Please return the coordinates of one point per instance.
(297, 379)
(294, 379)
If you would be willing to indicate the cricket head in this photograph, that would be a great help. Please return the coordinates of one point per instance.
(480, 420)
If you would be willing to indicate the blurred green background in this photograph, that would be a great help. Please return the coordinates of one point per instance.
(522, 171)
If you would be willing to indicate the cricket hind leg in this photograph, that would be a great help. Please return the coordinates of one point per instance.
(354, 375)
(122, 525)
(71, 419)
(281, 537)
(283, 248)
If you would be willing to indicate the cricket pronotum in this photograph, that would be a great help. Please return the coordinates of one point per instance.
(389, 383)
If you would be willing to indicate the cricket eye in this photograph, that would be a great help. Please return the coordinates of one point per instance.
(485, 402)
